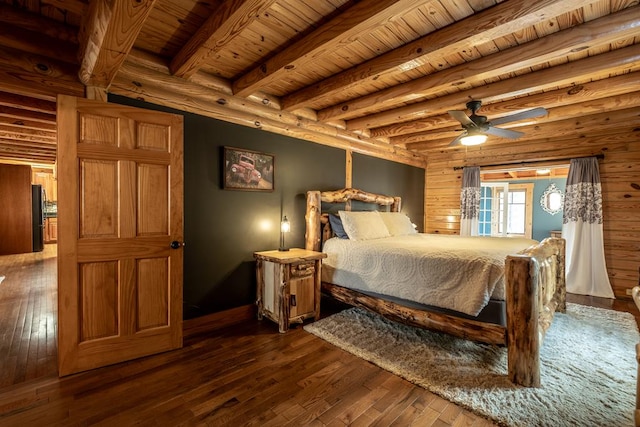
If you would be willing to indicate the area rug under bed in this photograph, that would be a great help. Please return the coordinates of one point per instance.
(588, 366)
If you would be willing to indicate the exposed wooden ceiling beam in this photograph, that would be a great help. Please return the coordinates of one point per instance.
(591, 91)
(500, 20)
(174, 92)
(8, 145)
(588, 147)
(107, 34)
(26, 157)
(27, 137)
(33, 42)
(219, 29)
(27, 103)
(603, 31)
(74, 6)
(362, 17)
(45, 165)
(37, 55)
(619, 121)
(514, 153)
(20, 134)
(559, 113)
(18, 17)
(19, 123)
(37, 76)
(16, 113)
(34, 146)
(583, 70)
(30, 151)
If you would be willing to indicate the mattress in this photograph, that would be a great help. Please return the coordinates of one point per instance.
(451, 272)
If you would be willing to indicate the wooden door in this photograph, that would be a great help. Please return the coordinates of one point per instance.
(16, 220)
(120, 207)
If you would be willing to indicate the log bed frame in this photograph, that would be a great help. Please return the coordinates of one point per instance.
(534, 288)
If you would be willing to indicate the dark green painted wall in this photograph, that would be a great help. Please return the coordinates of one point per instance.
(395, 179)
(224, 227)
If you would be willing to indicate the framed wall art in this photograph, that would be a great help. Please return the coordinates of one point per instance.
(247, 170)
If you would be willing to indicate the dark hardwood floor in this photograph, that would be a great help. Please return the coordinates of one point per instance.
(247, 374)
(28, 314)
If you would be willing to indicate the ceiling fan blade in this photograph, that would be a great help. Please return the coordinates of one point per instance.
(461, 117)
(457, 140)
(503, 133)
(529, 114)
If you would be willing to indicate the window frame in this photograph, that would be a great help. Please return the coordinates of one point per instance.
(501, 190)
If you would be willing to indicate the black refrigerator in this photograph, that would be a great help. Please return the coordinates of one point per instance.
(37, 208)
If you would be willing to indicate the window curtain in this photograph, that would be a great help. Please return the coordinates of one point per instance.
(586, 270)
(470, 201)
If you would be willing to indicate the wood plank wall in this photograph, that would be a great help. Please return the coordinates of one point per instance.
(619, 171)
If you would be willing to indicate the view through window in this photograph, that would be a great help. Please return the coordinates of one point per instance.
(506, 209)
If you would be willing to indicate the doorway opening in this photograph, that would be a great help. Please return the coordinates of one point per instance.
(513, 201)
(28, 275)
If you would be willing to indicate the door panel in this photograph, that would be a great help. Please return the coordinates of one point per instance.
(99, 195)
(153, 204)
(119, 207)
(304, 292)
(98, 300)
(153, 292)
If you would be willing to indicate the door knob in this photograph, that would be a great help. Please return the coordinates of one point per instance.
(175, 244)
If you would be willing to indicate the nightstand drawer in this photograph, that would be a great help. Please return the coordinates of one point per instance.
(302, 270)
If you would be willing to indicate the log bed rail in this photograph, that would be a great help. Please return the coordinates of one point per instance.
(534, 285)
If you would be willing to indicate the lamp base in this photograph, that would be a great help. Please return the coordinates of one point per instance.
(283, 249)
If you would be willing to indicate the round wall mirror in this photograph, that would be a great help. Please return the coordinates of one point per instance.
(552, 199)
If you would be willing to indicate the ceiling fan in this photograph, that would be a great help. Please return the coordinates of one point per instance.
(476, 128)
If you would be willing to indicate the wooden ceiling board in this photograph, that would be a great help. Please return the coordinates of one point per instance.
(373, 76)
(171, 23)
(72, 10)
(300, 16)
(623, 105)
(443, 67)
(478, 5)
(264, 37)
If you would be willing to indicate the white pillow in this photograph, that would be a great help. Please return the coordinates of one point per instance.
(363, 225)
(397, 223)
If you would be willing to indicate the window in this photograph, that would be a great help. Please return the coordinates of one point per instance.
(490, 214)
(506, 209)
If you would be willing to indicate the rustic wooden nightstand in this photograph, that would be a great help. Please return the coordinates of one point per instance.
(288, 285)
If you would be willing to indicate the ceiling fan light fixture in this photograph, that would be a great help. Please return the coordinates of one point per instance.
(473, 139)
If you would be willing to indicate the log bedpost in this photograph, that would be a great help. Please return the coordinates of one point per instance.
(397, 204)
(635, 294)
(312, 217)
(637, 411)
(523, 337)
(561, 285)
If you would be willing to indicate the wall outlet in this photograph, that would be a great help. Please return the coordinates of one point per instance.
(629, 291)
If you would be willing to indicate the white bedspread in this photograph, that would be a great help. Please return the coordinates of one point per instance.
(453, 272)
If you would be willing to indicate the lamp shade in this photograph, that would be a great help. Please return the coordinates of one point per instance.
(285, 227)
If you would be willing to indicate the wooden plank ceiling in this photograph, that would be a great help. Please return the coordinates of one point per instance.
(373, 76)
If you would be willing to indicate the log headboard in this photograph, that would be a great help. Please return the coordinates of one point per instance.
(318, 228)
